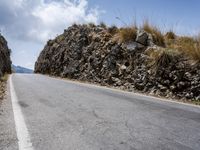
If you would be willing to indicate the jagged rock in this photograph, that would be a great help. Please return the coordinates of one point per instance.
(187, 75)
(162, 88)
(150, 42)
(142, 37)
(181, 85)
(166, 82)
(139, 86)
(131, 47)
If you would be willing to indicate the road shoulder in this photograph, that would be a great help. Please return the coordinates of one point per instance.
(143, 96)
(8, 138)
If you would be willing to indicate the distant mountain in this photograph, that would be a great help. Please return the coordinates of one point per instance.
(19, 69)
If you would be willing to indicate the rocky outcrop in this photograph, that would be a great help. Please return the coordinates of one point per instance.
(5, 62)
(5, 65)
(89, 53)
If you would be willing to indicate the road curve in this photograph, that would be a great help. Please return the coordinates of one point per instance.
(63, 115)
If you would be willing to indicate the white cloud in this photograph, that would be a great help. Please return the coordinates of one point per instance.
(28, 24)
(55, 16)
(40, 20)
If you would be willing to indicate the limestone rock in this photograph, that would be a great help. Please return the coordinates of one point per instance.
(142, 37)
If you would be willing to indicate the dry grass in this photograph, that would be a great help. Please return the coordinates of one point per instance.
(196, 53)
(166, 57)
(91, 24)
(190, 46)
(4, 78)
(127, 34)
(113, 30)
(157, 35)
(103, 25)
(170, 35)
(3, 85)
(60, 38)
(161, 57)
(2, 90)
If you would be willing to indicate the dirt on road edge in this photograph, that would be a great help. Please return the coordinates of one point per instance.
(3, 81)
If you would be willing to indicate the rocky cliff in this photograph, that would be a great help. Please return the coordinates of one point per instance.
(5, 62)
(91, 53)
(5, 65)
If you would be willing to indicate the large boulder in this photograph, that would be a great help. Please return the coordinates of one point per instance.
(142, 37)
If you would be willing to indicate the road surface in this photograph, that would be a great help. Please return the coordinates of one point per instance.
(54, 114)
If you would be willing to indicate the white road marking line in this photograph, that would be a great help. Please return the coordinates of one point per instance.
(24, 141)
(168, 100)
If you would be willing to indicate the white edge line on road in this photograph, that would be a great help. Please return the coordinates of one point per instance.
(126, 92)
(23, 136)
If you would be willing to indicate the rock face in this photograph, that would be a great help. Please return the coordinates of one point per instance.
(89, 53)
(5, 62)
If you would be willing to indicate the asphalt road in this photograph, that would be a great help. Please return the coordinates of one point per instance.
(54, 114)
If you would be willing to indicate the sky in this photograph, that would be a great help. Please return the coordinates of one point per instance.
(29, 24)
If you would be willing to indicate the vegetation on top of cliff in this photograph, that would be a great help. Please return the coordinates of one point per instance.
(190, 46)
(127, 34)
(157, 35)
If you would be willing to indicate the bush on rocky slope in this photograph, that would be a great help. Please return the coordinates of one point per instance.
(89, 53)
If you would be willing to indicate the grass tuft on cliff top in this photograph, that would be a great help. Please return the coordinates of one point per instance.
(126, 34)
(186, 45)
(189, 46)
(157, 35)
